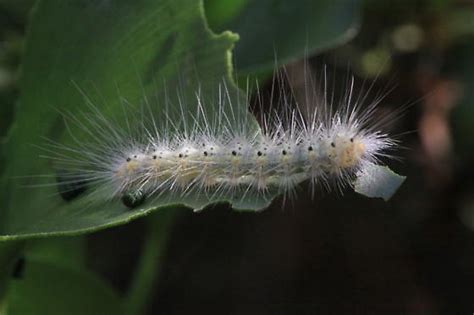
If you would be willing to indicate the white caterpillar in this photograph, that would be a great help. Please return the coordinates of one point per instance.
(213, 156)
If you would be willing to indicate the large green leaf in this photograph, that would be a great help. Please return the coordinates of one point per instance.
(115, 49)
(9, 254)
(111, 50)
(282, 29)
(67, 252)
(46, 288)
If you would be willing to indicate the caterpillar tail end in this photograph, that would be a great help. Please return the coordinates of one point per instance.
(376, 181)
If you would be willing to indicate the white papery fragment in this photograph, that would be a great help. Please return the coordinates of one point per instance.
(377, 181)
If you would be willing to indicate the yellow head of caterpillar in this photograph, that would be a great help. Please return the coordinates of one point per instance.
(130, 171)
(347, 152)
(129, 167)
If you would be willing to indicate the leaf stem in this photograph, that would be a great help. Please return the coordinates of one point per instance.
(149, 264)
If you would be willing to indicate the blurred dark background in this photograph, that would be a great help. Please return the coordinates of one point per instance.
(334, 254)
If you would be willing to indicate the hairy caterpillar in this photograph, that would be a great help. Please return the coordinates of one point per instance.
(216, 156)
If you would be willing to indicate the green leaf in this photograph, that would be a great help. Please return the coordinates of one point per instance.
(220, 13)
(68, 252)
(459, 23)
(287, 30)
(17, 8)
(376, 181)
(45, 288)
(9, 255)
(112, 50)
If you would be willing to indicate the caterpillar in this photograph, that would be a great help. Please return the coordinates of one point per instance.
(216, 156)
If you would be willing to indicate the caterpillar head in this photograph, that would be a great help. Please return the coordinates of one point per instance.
(347, 151)
(130, 169)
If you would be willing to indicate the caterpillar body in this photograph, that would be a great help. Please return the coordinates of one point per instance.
(214, 157)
